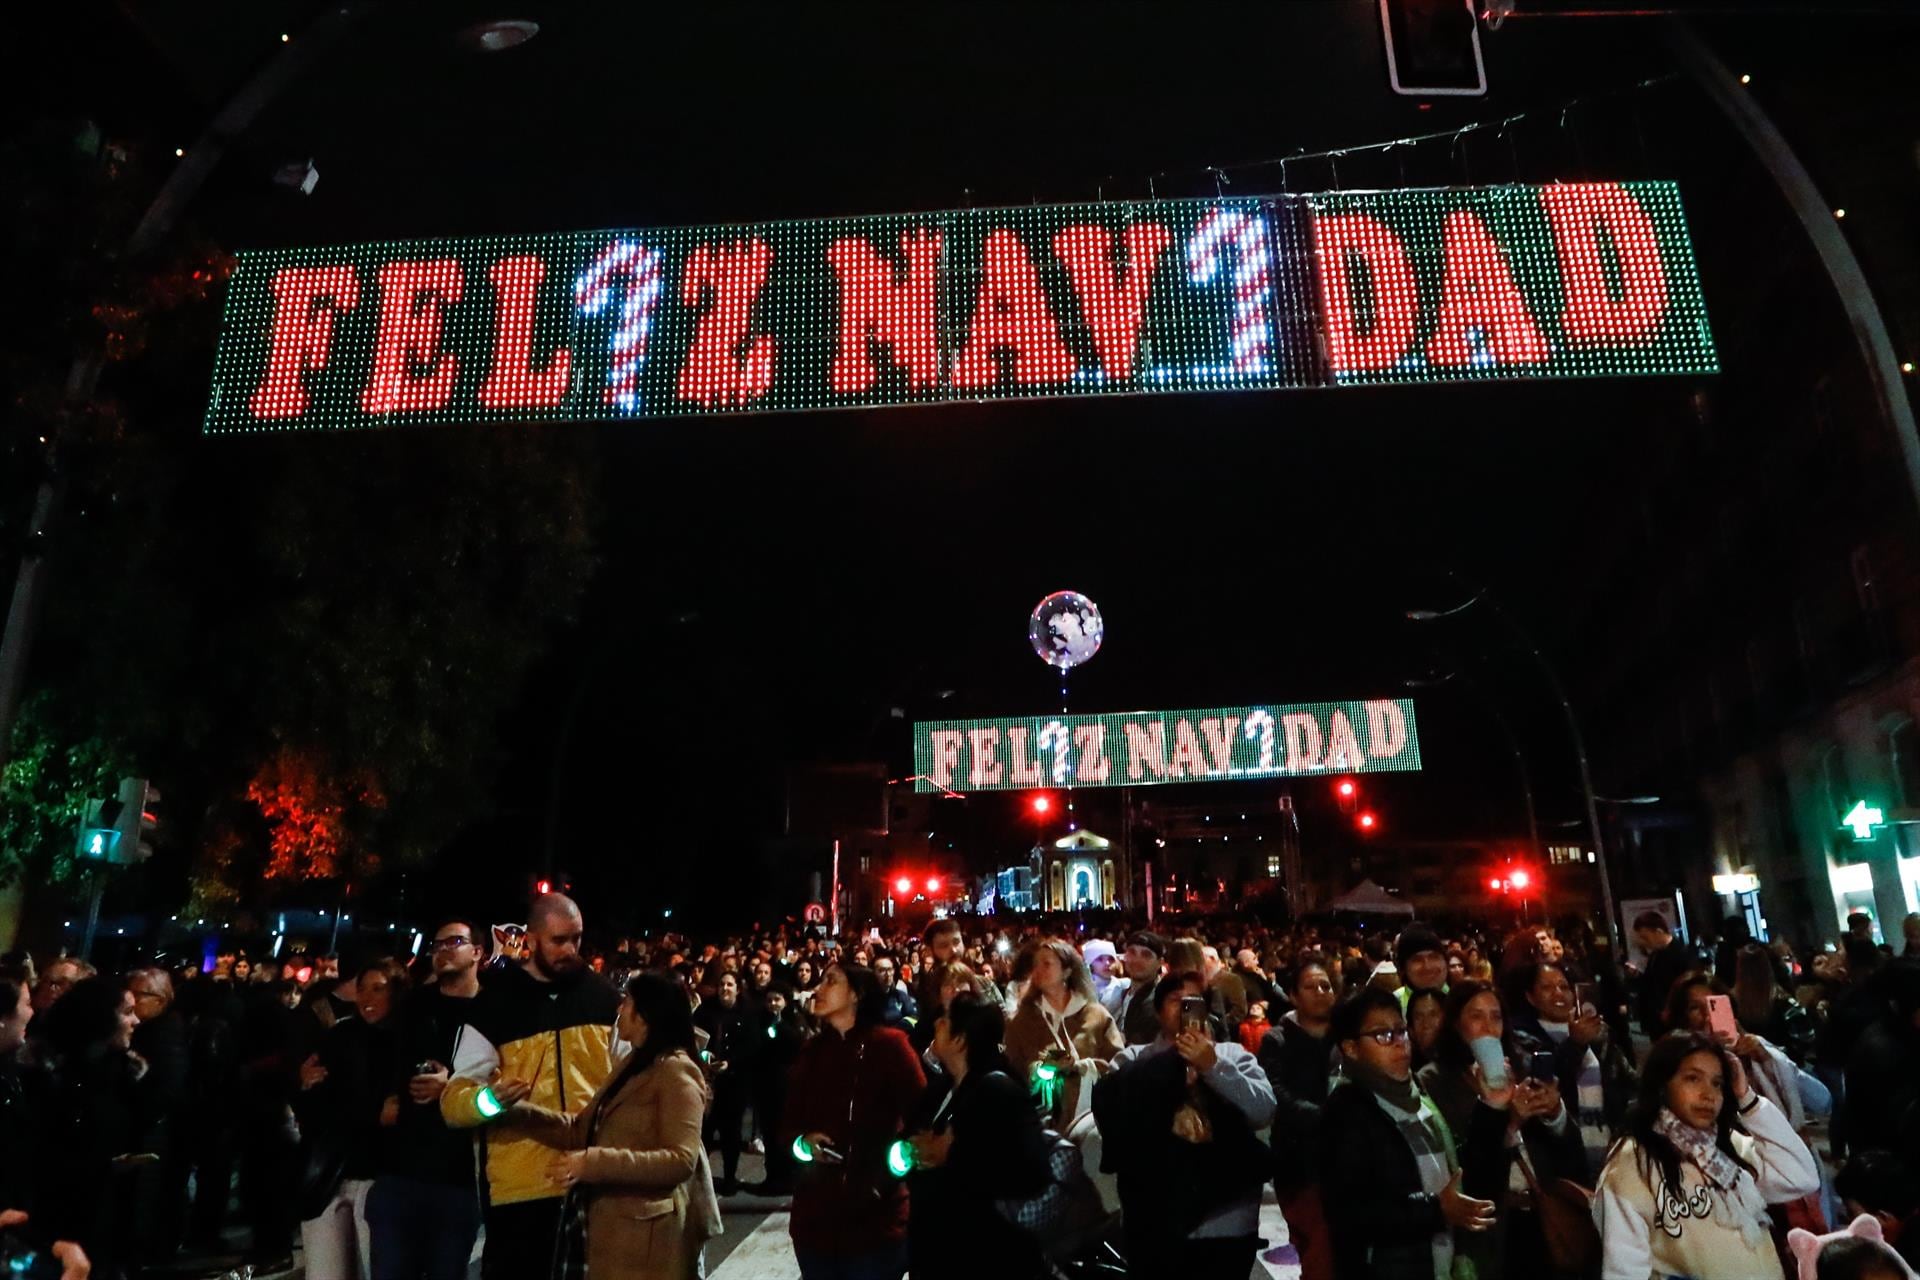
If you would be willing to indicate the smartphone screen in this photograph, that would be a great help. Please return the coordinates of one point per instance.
(1720, 1019)
(1193, 1012)
(1588, 994)
(1541, 1068)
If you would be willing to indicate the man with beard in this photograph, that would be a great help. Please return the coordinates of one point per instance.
(541, 1031)
(423, 1210)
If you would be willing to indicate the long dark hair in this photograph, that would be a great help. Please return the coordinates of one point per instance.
(1452, 1051)
(82, 1022)
(1680, 997)
(982, 1024)
(1663, 1063)
(662, 1004)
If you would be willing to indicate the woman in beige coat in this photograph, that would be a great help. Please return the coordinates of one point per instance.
(1059, 1021)
(639, 1186)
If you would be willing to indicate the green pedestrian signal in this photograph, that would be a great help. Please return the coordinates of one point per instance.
(97, 844)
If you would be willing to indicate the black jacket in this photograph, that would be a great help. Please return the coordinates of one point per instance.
(343, 1111)
(1139, 1023)
(731, 1038)
(1664, 967)
(1883, 1089)
(998, 1151)
(1298, 1066)
(1554, 1155)
(423, 1147)
(1382, 1219)
(166, 1046)
(1618, 1081)
(81, 1113)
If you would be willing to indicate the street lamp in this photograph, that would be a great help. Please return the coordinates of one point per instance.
(1482, 596)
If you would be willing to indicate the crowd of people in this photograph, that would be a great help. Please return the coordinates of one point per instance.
(1024, 1096)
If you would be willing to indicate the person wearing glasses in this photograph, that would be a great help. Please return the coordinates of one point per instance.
(1178, 1118)
(57, 979)
(423, 1212)
(160, 1190)
(542, 1032)
(1391, 1182)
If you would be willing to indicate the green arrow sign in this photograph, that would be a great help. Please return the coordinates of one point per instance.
(1863, 820)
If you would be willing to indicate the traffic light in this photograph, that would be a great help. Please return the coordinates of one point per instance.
(1433, 48)
(903, 886)
(1346, 793)
(115, 831)
(1367, 822)
(555, 882)
(1042, 805)
(98, 840)
(1520, 878)
(933, 884)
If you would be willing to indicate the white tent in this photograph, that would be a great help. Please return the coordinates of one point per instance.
(1369, 899)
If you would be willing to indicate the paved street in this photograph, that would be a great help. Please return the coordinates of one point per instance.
(754, 1246)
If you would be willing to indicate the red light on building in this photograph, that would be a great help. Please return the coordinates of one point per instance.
(933, 884)
(903, 885)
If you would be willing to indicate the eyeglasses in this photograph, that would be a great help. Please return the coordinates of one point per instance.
(448, 944)
(1386, 1037)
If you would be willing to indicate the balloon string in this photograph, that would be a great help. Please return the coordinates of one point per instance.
(1071, 824)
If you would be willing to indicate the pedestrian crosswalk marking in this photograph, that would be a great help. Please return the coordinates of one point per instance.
(766, 1254)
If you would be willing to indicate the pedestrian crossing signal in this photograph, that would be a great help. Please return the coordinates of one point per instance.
(97, 842)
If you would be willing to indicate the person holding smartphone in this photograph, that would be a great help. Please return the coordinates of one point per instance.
(423, 1211)
(1178, 1118)
(1703, 1155)
(1595, 1076)
(1700, 1003)
(1471, 1068)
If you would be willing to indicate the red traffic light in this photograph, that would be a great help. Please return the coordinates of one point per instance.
(933, 884)
(1367, 821)
(1520, 878)
(1496, 884)
(903, 885)
(1345, 788)
(1041, 804)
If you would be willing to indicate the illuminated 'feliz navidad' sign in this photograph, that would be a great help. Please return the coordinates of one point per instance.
(1330, 289)
(1141, 748)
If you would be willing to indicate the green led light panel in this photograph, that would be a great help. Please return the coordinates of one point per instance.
(1095, 299)
(1144, 748)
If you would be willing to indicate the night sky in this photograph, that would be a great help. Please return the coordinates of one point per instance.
(772, 587)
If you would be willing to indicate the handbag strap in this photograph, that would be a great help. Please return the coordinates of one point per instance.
(1527, 1172)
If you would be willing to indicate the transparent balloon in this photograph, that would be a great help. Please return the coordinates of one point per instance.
(1065, 629)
